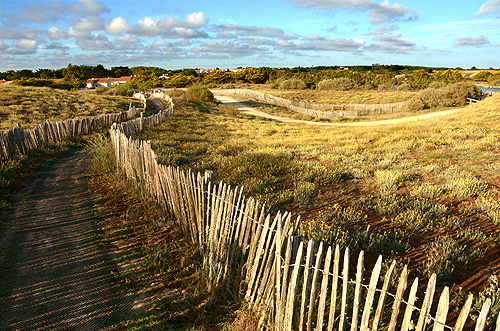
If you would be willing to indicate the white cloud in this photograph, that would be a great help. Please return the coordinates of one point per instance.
(126, 39)
(89, 23)
(378, 12)
(317, 43)
(468, 41)
(57, 10)
(25, 44)
(386, 12)
(167, 27)
(54, 33)
(117, 25)
(95, 42)
(194, 20)
(392, 44)
(489, 7)
(2, 46)
(88, 7)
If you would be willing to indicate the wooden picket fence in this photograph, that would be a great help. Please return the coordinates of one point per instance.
(323, 111)
(19, 141)
(291, 283)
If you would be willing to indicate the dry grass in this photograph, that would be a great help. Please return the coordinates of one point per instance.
(30, 106)
(343, 97)
(400, 176)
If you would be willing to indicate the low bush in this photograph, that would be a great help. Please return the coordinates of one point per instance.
(293, 84)
(388, 180)
(465, 187)
(495, 83)
(451, 95)
(337, 84)
(440, 257)
(200, 95)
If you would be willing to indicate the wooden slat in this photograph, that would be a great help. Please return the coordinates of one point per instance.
(312, 296)
(442, 310)
(291, 298)
(371, 294)
(405, 326)
(426, 305)
(464, 313)
(357, 291)
(345, 287)
(335, 280)
(483, 315)
(305, 284)
(324, 290)
(383, 294)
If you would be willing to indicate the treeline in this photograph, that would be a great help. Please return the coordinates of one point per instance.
(324, 77)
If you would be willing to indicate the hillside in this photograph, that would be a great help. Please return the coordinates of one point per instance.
(423, 193)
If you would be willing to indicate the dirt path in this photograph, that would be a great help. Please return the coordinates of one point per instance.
(54, 273)
(243, 107)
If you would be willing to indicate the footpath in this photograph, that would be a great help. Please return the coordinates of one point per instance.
(54, 273)
(244, 108)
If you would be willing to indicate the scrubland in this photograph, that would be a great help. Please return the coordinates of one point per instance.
(423, 193)
(29, 106)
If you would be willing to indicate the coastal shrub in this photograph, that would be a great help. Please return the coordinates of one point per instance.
(459, 92)
(495, 83)
(292, 84)
(337, 84)
(201, 95)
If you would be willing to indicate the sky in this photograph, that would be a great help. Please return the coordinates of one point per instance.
(238, 33)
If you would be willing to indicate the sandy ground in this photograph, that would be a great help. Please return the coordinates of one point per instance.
(244, 108)
(54, 273)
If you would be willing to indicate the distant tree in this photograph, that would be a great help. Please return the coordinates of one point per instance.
(24, 73)
(120, 71)
(44, 73)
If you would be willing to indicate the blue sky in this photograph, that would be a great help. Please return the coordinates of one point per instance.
(223, 33)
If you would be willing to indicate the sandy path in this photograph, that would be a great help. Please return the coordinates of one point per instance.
(244, 108)
(54, 273)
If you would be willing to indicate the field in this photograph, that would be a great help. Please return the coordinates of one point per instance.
(30, 106)
(342, 97)
(424, 193)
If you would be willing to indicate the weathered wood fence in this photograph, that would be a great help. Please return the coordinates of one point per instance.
(323, 111)
(291, 283)
(19, 141)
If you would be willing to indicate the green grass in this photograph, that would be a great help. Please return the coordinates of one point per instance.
(30, 106)
(407, 176)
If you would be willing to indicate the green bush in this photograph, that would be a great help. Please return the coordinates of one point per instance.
(293, 84)
(200, 95)
(337, 84)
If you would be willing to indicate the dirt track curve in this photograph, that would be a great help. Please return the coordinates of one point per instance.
(244, 108)
(54, 273)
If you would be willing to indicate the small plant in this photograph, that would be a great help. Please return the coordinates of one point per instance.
(465, 187)
(440, 256)
(388, 180)
(427, 191)
(304, 192)
(492, 292)
(491, 207)
(336, 214)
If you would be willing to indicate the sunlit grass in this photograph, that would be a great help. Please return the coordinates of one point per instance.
(30, 106)
(343, 97)
(405, 176)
